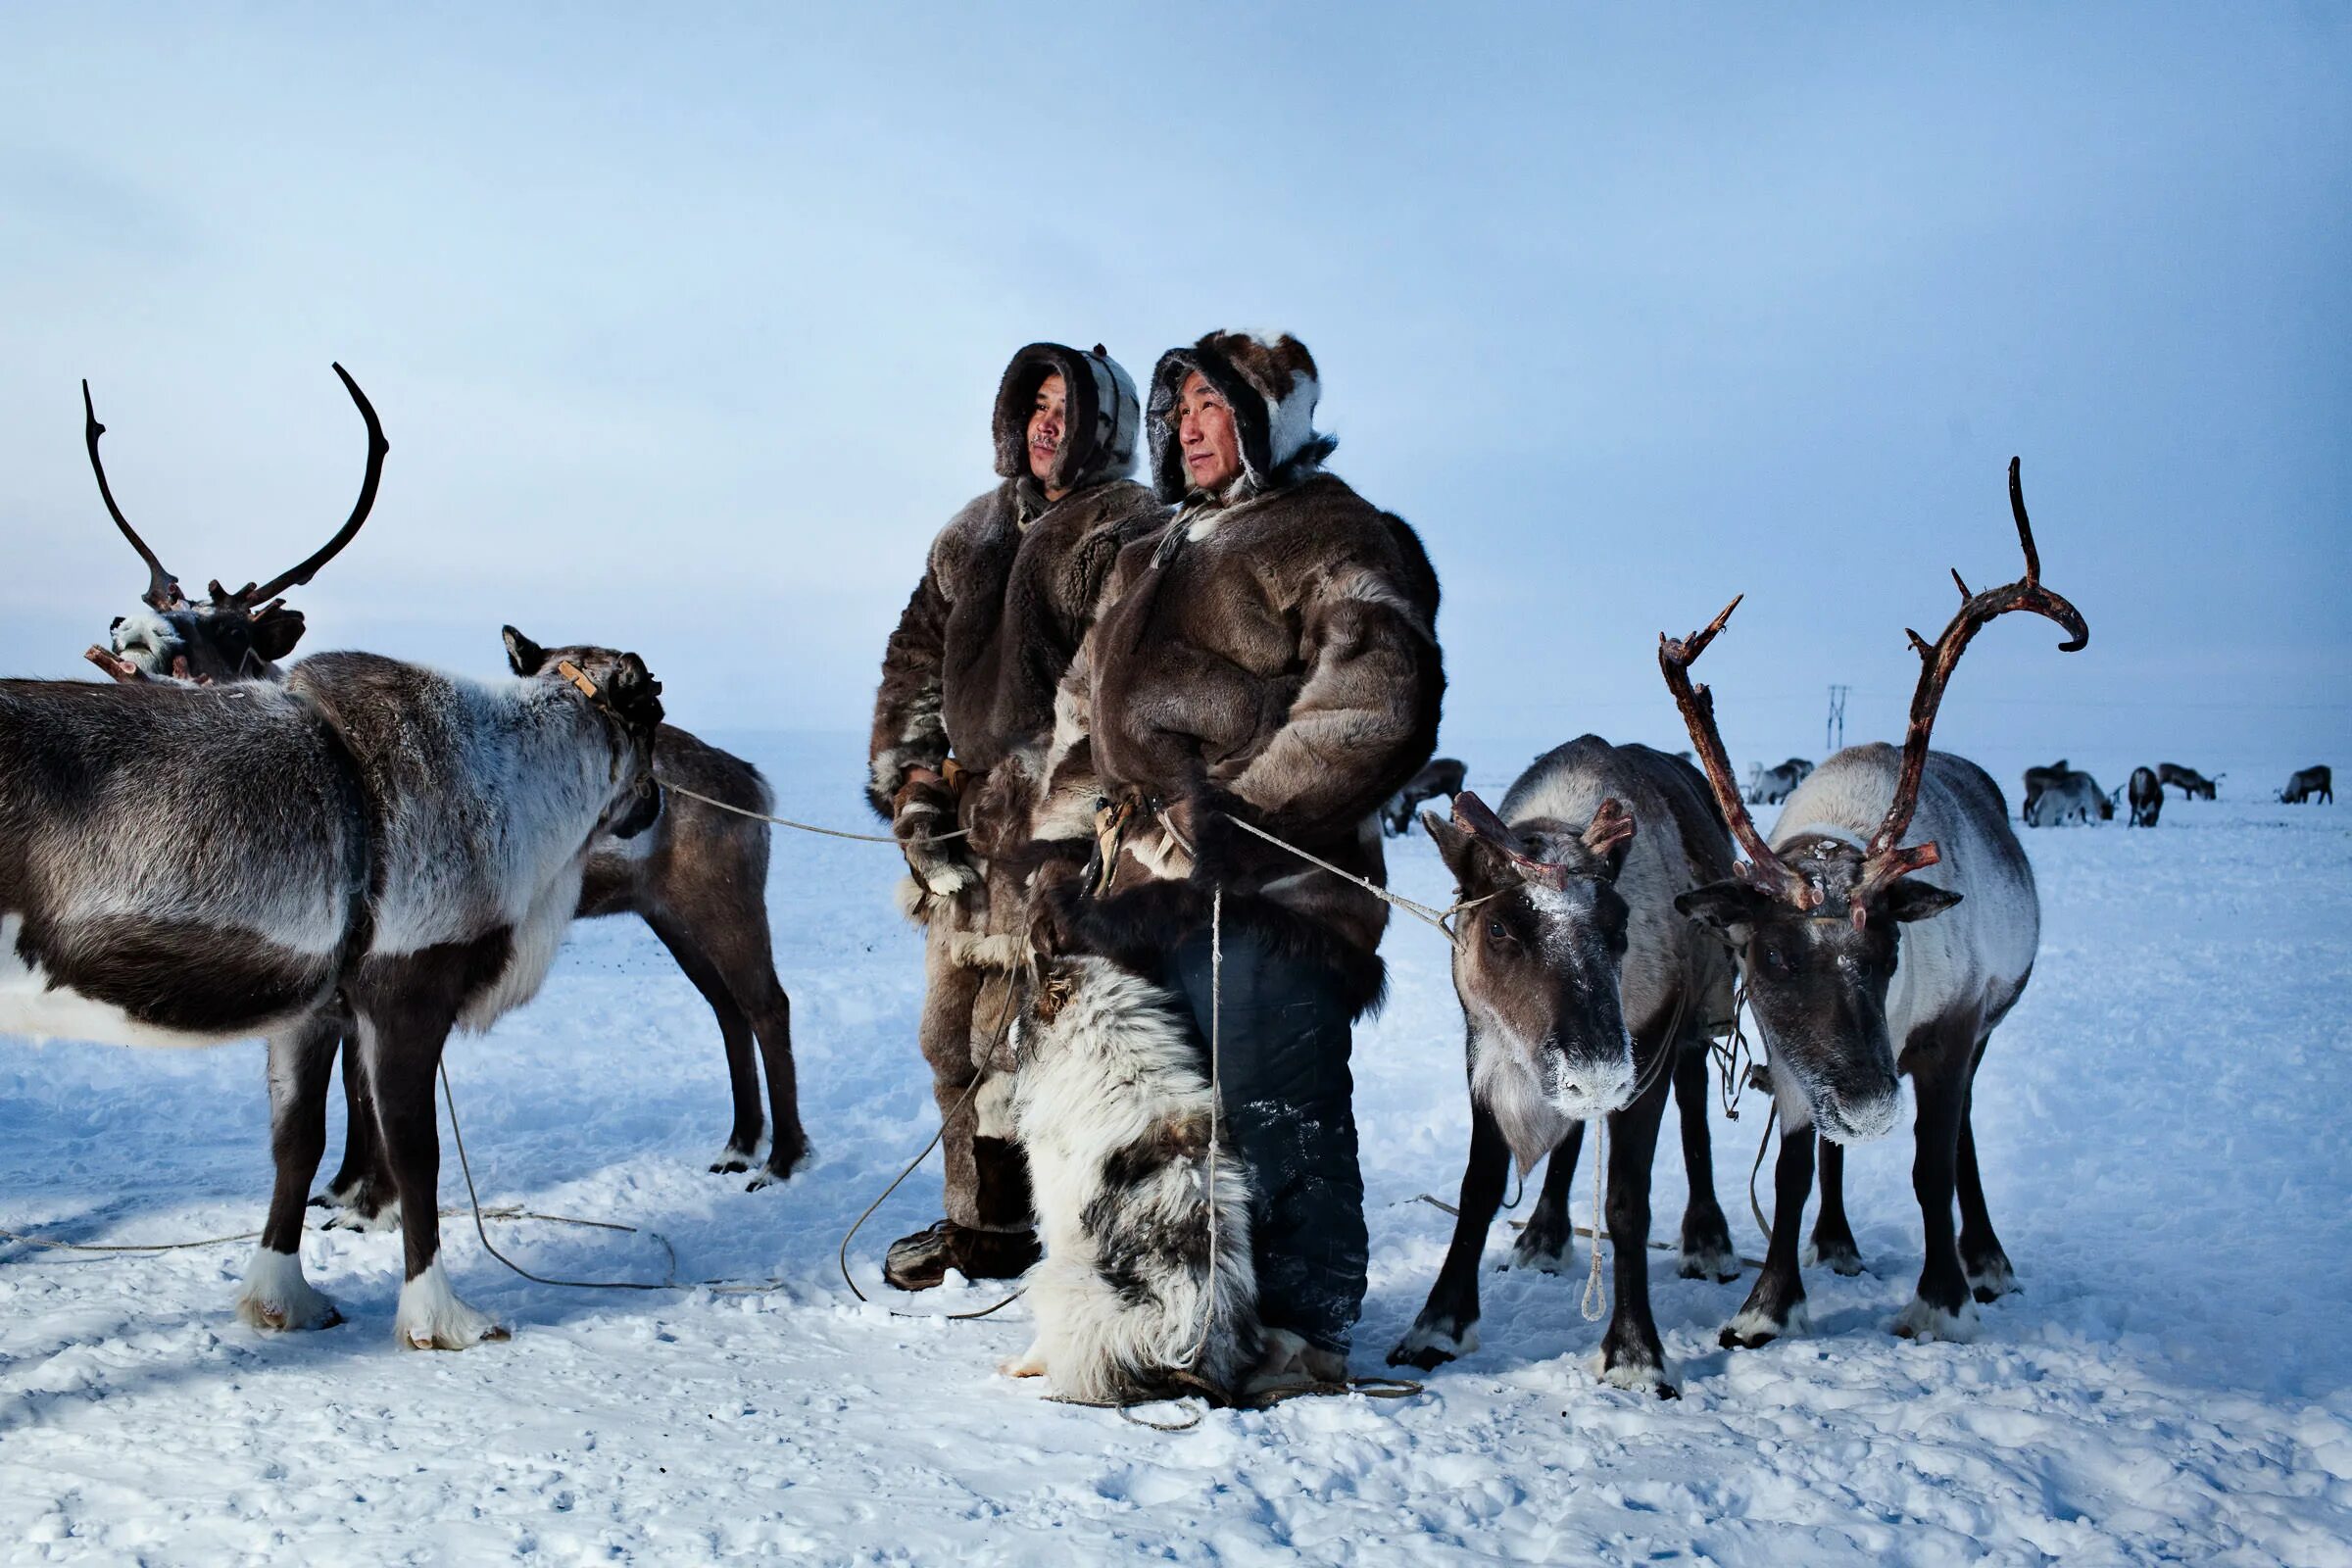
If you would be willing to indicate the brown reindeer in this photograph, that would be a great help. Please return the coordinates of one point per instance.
(699, 877)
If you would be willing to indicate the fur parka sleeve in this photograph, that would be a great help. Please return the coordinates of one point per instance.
(1366, 712)
(908, 730)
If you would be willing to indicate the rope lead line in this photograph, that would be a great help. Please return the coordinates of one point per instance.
(812, 827)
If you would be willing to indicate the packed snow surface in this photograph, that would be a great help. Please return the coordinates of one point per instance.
(2162, 1122)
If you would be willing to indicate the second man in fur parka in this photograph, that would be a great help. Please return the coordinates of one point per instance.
(1268, 659)
(961, 723)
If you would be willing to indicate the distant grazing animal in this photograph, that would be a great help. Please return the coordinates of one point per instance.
(1584, 994)
(1771, 786)
(1865, 959)
(699, 878)
(2038, 779)
(2193, 784)
(2073, 796)
(1146, 1288)
(2312, 783)
(1442, 776)
(2148, 796)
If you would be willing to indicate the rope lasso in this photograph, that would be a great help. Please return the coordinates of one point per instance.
(812, 827)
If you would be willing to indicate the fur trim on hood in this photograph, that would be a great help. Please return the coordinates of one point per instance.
(1099, 439)
(1271, 385)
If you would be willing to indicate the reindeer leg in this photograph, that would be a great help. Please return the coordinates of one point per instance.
(358, 1135)
(1631, 1355)
(744, 955)
(361, 1192)
(402, 1059)
(735, 1031)
(275, 1294)
(1832, 1236)
(1777, 1302)
(1548, 1241)
(1706, 1235)
(1941, 1309)
(1990, 1276)
(1448, 1326)
(771, 1018)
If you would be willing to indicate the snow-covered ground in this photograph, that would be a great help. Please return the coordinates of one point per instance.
(2162, 1123)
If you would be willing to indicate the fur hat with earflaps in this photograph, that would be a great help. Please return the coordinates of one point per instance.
(1270, 384)
(1103, 412)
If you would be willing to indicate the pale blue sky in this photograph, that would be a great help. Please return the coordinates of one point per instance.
(684, 329)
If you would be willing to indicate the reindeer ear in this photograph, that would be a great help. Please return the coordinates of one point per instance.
(275, 633)
(523, 656)
(1913, 900)
(1461, 852)
(1723, 904)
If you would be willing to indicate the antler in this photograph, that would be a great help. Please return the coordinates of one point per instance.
(251, 595)
(163, 589)
(1611, 825)
(1763, 869)
(1883, 862)
(1473, 816)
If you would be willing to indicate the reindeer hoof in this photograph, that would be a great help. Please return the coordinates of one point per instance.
(1639, 1376)
(277, 1299)
(1753, 1328)
(1923, 1322)
(1543, 1254)
(779, 1168)
(432, 1318)
(1841, 1257)
(1992, 1279)
(357, 1216)
(731, 1161)
(1721, 1265)
(1428, 1346)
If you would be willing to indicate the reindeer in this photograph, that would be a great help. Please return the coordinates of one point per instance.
(1442, 776)
(2038, 779)
(2310, 783)
(2067, 796)
(1846, 999)
(2193, 784)
(2148, 796)
(699, 878)
(1584, 994)
(1771, 786)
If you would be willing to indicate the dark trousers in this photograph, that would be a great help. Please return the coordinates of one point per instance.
(1288, 1102)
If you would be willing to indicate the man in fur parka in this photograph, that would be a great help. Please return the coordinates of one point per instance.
(962, 725)
(1269, 656)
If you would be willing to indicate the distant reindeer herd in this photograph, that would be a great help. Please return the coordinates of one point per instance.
(352, 854)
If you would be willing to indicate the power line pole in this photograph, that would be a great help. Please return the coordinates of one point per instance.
(1833, 733)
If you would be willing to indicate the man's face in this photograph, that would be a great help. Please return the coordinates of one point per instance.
(1047, 420)
(1205, 429)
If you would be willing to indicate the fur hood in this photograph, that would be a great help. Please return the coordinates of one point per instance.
(1272, 387)
(1099, 443)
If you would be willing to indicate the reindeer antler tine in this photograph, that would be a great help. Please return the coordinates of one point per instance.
(377, 446)
(1697, 705)
(1936, 662)
(2024, 526)
(1962, 582)
(1475, 817)
(163, 589)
